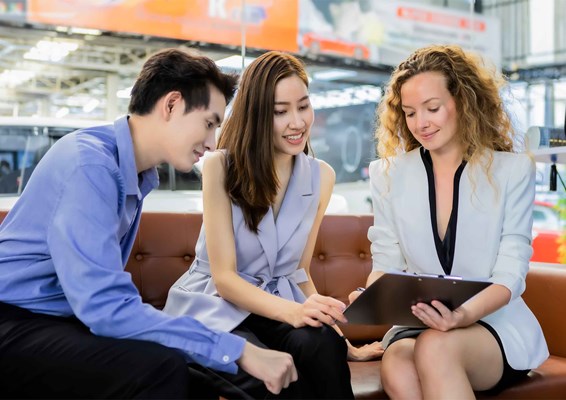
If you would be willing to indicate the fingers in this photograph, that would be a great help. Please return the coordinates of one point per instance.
(436, 315)
(353, 296)
(285, 373)
(365, 353)
(294, 376)
(276, 369)
(272, 387)
(330, 301)
(441, 308)
(324, 316)
(421, 311)
(276, 386)
(291, 374)
(312, 322)
(325, 309)
(425, 310)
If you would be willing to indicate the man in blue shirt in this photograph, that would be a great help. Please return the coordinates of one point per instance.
(72, 323)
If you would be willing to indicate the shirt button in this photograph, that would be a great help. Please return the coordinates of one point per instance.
(139, 257)
(225, 358)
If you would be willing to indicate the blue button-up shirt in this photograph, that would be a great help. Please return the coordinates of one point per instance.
(64, 245)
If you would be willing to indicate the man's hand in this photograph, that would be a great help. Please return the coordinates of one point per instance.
(276, 369)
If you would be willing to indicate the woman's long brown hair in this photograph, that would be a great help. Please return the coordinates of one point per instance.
(247, 135)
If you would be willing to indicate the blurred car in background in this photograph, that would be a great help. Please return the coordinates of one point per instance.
(343, 137)
(24, 141)
(547, 229)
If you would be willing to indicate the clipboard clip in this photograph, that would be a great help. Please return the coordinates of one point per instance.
(454, 277)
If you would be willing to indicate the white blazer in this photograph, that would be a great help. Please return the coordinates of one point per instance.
(493, 237)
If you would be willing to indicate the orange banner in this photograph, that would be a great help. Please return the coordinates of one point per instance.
(270, 24)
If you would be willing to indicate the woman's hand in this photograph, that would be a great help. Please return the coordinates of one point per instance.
(364, 353)
(438, 316)
(354, 295)
(318, 310)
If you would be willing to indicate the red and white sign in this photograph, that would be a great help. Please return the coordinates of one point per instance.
(386, 32)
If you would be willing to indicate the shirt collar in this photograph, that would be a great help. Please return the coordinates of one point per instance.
(127, 162)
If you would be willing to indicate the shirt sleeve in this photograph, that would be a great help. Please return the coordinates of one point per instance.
(385, 248)
(86, 253)
(515, 250)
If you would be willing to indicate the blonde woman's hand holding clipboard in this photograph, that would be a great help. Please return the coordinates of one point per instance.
(438, 316)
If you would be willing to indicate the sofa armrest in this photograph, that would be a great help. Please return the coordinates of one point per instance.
(546, 297)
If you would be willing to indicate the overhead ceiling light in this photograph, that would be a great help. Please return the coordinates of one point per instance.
(333, 74)
(14, 77)
(91, 105)
(79, 31)
(85, 31)
(62, 112)
(362, 94)
(234, 62)
(51, 50)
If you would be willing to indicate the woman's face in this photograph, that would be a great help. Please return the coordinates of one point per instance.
(293, 116)
(430, 112)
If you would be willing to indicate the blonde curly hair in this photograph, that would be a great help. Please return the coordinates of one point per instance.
(483, 123)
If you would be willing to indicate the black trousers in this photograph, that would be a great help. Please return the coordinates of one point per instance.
(43, 356)
(320, 356)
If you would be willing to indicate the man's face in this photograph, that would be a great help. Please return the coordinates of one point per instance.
(190, 135)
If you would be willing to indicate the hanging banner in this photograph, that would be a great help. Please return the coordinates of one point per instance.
(270, 24)
(386, 32)
(377, 31)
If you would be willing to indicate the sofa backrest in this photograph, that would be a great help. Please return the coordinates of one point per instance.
(341, 262)
(165, 248)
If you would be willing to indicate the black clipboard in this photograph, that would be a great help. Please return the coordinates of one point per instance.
(389, 299)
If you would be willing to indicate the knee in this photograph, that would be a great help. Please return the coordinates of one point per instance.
(165, 362)
(326, 340)
(162, 369)
(432, 348)
(393, 377)
(322, 344)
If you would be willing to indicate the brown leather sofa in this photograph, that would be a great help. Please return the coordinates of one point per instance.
(165, 247)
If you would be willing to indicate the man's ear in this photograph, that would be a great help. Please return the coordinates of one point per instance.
(171, 100)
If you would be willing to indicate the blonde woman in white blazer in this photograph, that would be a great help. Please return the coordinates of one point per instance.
(451, 197)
